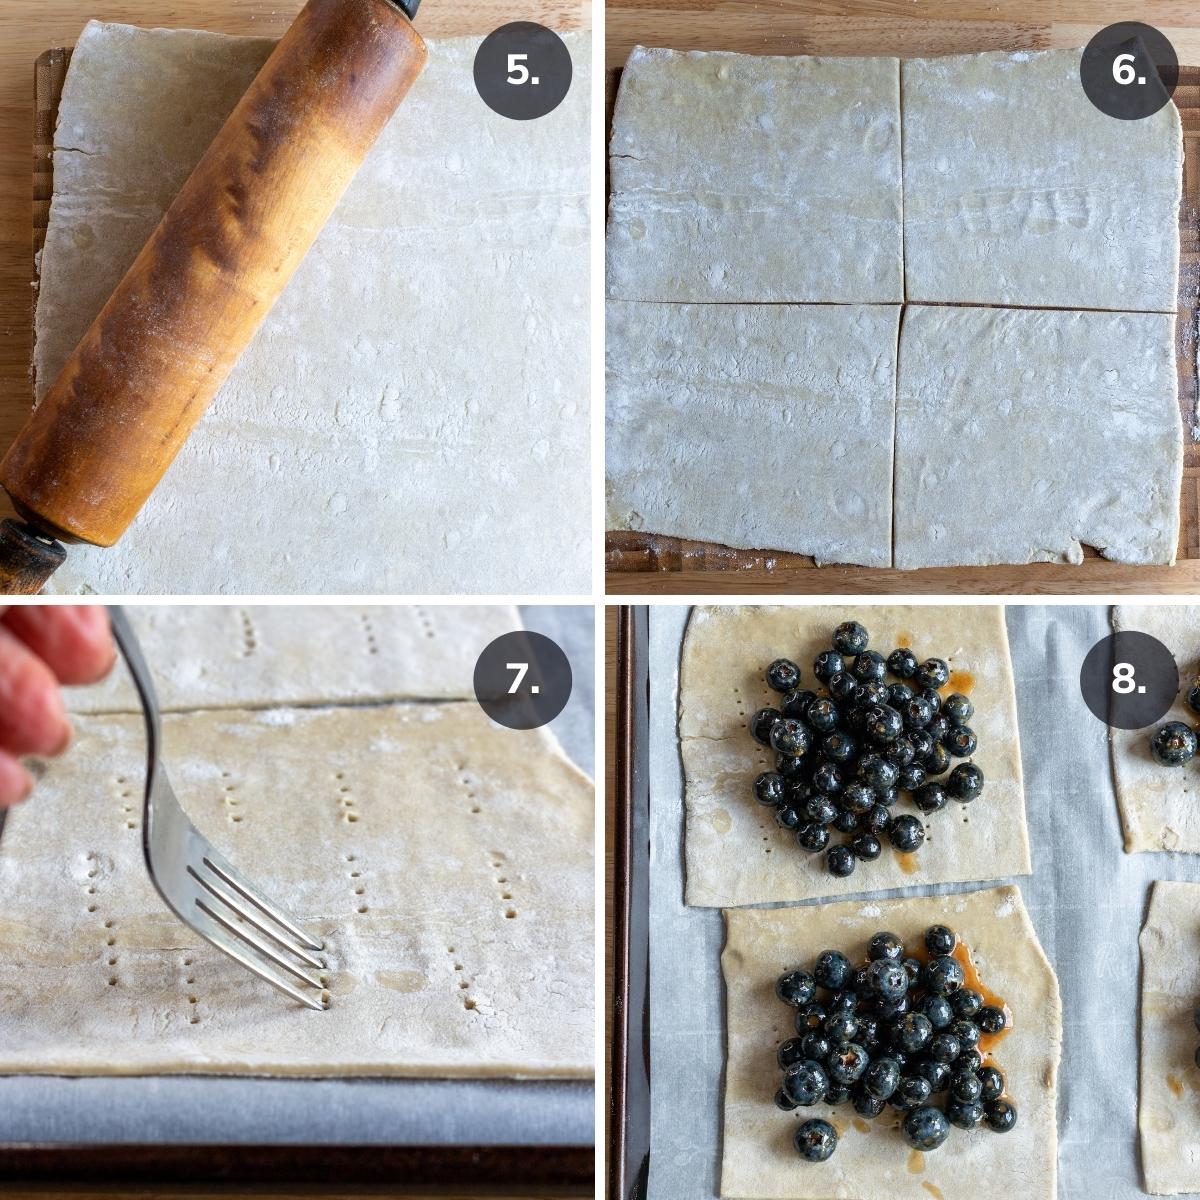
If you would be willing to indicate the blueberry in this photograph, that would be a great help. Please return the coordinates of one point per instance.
(922, 743)
(839, 860)
(939, 727)
(991, 1019)
(805, 1082)
(831, 970)
(839, 747)
(961, 741)
(850, 638)
(965, 782)
(827, 779)
(918, 712)
(869, 667)
(906, 834)
(784, 1101)
(965, 1116)
(867, 847)
(841, 686)
(783, 675)
(892, 1010)
(859, 798)
(1193, 696)
(796, 988)
(930, 798)
(822, 715)
(815, 1045)
(868, 1032)
(847, 1063)
(881, 1077)
(886, 796)
(845, 1000)
(788, 817)
(912, 777)
(762, 723)
(884, 724)
(1173, 744)
(969, 1060)
(875, 771)
(885, 945)
(940, 940)
(965, 1087)
(816, 1140)
(902, 663)
(845, 821)
(901, 753)
(876, 821)
(911, 1092)
(936, 1074)
(788, 1053)
(769, 788)
(794, 770)
(791, 737)
(943, 975)
(796, 703)
(827, 664)
(840, 1026)
(913, 969)
(937, 761)
(967, 1033)
(867, 1105)
(868, 695)
(958, 708)
(913, 1032)
(810, 1016)
(1001, 1115)
(938, 1010)
(888, 979)
(934, 697)
(812, 836)
(898, 695)
(932, 673)
(992, 1082)
(943, 1047)
(925, 1128)
(820, 809)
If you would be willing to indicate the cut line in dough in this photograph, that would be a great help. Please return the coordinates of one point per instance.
(758, 1159)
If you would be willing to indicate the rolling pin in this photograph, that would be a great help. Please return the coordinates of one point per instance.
(152, 361)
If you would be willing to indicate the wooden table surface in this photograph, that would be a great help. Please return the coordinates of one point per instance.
(905, 28)
(27, 27)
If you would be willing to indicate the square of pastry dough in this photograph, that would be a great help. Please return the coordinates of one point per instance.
(735, 853)
(746, 177)
(1169, 1095)
(1017, 190)
(1023, 435)
(872, 1159)
(1160, 806)
(755, 426)
(445, 861)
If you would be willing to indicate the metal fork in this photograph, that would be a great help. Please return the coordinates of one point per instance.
(199, 886)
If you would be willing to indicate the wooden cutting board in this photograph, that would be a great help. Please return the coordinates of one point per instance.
(638, 563)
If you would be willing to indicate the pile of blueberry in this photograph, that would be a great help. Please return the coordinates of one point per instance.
(1175, 743)
(894, 1032)
(847, 752)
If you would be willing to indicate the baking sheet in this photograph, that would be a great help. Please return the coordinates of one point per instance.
(210, 1110)
(1087, 899)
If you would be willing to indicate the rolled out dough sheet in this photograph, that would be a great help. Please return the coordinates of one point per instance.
(1022, 436)
(759, 1160)
(1169, 1096)
(421, 385)
(756, 426)
(735, 852)
(446, 862)
(255, 656)
(1160, 806)
(742, 177)
(1018, 191)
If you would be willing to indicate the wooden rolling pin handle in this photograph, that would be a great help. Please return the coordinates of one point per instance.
(154, 358)
(27, 559)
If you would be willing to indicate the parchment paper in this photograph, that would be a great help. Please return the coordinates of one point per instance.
(1086, 896)
(366, 1111)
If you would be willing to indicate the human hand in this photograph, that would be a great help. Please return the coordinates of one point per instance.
(41, 647)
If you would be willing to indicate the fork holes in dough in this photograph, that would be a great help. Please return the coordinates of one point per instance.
(510, 913)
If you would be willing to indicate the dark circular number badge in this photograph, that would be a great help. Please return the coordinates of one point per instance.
(522, 680)
(1129, 680)
(1129, 70)
(522, 70)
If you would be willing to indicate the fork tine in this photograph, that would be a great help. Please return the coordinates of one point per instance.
(230, 945)
(248, 935)
(238, 883)
(234, 901)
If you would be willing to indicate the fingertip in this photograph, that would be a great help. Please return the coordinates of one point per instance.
(15, 781)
